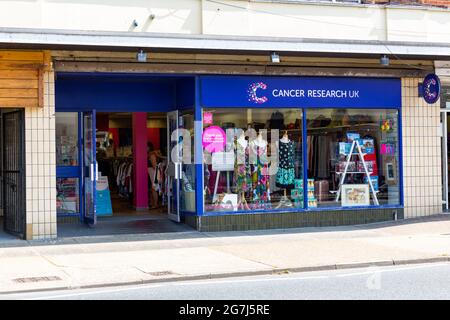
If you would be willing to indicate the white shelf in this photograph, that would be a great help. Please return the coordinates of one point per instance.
(370, 172)
(335, 191)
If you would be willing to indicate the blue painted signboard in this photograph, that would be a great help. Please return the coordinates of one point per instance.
(431, 88)
(103, 197)
(319, 92)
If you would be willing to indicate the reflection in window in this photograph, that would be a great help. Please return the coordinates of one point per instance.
(253, 159)
(188, 169)
(66, 127)
(67, 195)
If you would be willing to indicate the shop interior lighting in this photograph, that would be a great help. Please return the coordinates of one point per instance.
(274, 57)
(141, 56)
(384, 60)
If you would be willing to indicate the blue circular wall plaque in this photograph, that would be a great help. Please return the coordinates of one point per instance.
(431, 88)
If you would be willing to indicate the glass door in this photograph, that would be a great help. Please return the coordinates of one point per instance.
(68, 164)
(174, 166)
(90, 167)
(445, 158)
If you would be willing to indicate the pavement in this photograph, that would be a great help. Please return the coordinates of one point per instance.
(98, 261)
(426, 281)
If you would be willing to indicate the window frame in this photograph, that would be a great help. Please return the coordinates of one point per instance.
(303, 111)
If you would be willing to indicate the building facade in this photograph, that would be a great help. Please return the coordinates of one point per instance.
(326, 136)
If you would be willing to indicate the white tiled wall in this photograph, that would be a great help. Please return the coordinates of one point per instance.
(41, 165)
(421, 153)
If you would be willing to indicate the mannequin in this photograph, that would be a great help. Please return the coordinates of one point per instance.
(260, 173)
(241, 140)
(242, 178)
(285, 137)
(285, 173)
(259, 141)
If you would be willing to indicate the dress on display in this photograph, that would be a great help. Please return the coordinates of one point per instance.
(260, 175)
(242, 177)
(286, 171)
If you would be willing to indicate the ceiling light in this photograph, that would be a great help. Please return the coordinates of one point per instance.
(141, 56)
(384, 60)
(274, 57)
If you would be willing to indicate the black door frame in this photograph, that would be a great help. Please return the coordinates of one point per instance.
(18, 226)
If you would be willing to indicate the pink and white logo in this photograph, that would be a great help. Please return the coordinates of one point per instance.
(252, 95)
(214, 139)
(207, 117)
(429, 89)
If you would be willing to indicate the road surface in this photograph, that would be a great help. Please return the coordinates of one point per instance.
(425, 281)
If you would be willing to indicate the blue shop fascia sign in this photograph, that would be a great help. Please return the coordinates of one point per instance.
(307, 92)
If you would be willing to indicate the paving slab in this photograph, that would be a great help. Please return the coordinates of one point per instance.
(89, 261)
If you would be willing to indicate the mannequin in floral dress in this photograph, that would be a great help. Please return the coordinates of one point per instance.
(260, 173)
(242, 178)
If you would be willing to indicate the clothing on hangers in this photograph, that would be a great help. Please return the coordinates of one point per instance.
(124, 180)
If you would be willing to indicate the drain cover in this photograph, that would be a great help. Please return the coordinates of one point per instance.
(37, 279)
(161, 273)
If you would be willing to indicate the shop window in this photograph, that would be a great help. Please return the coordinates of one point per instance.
(66, 127)
(252, 159)
(188, 169)
(445, 97)
(338, 178)
(67, 196)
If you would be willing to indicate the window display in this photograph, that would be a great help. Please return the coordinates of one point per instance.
(258, 163)
(349, 149)
(67, 196)
(66, 126)
(188, 169)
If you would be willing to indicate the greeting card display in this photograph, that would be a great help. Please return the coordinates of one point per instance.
(312, 203)
(352, 136)
(374, 180)
(369, 165)
(298, 184)
(341, 166)
(367, 146)
(311, 184)
(344, 148)
(297, 197)
(296, 193)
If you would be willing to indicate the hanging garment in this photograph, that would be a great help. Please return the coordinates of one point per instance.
(276, 121)
(323, 157)
(125, 137)
(299, 159)
(260, 176)
(286, 172)
(242, 177)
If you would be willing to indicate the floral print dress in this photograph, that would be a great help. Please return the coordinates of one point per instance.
(242, 176)
(260, 177)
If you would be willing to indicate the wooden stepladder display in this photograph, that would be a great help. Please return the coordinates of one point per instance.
(356, 145)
